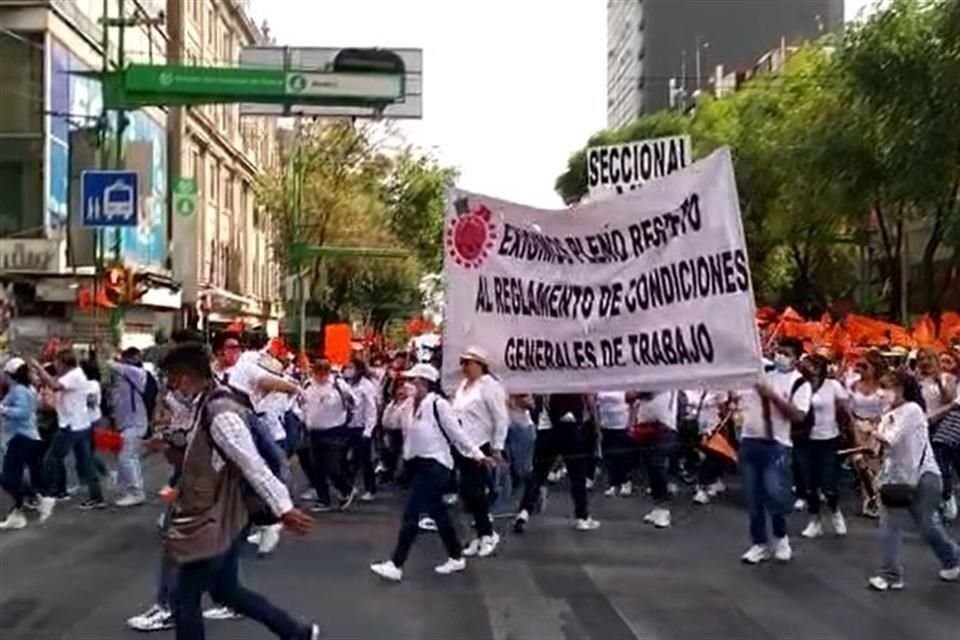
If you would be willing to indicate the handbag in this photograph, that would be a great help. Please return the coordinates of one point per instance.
(902, 495)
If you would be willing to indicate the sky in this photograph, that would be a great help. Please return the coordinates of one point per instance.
(511, 87)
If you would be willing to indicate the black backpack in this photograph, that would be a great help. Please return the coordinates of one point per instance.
(260, 513)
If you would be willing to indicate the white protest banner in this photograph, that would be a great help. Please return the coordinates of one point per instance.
(648, 291)
(620, 168)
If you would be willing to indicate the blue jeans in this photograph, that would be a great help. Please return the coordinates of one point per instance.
(765, 465)
(922, 512)
(429, 481)
(220, 578)
(81, 443)
(129, 475)
(518, 450)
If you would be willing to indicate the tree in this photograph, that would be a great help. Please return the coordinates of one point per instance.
(340, 187)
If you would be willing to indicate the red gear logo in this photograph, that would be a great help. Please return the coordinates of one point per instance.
(470, 237)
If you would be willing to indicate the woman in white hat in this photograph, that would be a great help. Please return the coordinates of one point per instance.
(24, 447)
(481, 404)
(427, 440)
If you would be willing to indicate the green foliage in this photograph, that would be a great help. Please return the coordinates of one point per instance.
(339, 187)
(854, 141)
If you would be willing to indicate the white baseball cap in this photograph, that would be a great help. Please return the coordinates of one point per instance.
(423, 371)
(13, 365)
(476, 354)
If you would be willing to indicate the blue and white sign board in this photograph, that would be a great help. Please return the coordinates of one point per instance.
(110, 198)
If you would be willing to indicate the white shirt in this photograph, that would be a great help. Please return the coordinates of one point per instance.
(613, 412)
(662, 408)
(752, 406)
(94, 395)
(705, 406)
(934, 395)
(272, 407)
(423, 437)
(824, 402)
(397, 415)
(867, 407)
(482, 408)
(909, 454)
(72, 401)
(325, 407)
(365, 413)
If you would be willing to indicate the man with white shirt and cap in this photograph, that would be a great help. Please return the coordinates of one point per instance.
(781, 398)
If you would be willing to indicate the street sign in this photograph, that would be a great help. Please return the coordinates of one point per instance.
(624, 167)
(109, 198)
(341, 63)
(185, 196)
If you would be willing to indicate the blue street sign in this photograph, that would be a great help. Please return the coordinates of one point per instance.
(110, 198)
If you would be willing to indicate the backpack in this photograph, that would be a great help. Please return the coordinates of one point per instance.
(294, 428)
(347, 401)
(801, 430)
(151, 390)
(260, 513)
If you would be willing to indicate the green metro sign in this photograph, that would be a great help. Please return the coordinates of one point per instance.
(185, 196)
(147, 84)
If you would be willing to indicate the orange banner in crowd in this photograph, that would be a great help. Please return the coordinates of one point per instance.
(856, 332)
(336, 343)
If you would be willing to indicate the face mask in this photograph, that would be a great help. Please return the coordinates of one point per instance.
(410, 389)
(783, 362)
(348, 373)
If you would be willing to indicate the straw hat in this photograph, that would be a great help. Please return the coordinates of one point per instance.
(475, 354)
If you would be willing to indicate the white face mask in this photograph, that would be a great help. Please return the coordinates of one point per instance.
(783, 362)
(410, 389)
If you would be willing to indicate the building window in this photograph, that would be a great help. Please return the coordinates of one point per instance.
(211, 27)
(195, 6)
(213, 183)
(228, 192)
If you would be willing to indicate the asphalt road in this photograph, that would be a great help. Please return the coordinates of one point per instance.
(81, 575)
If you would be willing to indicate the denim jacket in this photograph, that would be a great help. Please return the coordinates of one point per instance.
(19, 410)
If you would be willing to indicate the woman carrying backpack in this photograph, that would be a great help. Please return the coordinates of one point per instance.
(427, 441)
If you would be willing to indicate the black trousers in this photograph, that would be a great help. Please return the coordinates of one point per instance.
(474, 481)
(22, 454)
(948, 458)
(361, 460)
(619, 455)
(327, 453)
(567, 441)
(428, 481)
(820, 468)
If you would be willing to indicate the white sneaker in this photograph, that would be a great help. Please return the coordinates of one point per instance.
(309, 495)
(15, 520)
(658, 517)
(451, 566)
(879, 583)
(46, 508)
(472, 549)
(254, 538)
(701, 497)
(672, 488)
(611, 492)
(716, 489)
(367, 497)
(950, 508)
(156, 618)
(388, 571)
(221, 613)
(427, 524)
(589, 483)
(269, 539)
(586, 524)
(451, 499)
(626, 489)
(800, 505)
(950, 575)
(756, 554)
(130, 500)
(520, 522)
(781, 549)
(814, 529)
(488, 544)
(839, 524)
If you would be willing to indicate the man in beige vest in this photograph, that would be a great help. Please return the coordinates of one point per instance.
(210, 516)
